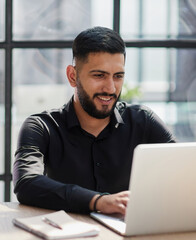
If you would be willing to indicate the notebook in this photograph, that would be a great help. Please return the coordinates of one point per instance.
(57, 225)
(162, 191)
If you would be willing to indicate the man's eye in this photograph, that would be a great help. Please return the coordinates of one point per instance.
(99, 75)
(119, 76)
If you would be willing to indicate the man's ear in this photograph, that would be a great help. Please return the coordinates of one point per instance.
(71, 75)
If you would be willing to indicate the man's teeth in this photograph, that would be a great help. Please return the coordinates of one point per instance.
(104, 99)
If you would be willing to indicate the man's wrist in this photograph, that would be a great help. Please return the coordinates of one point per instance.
(96, 200)
(93, 202)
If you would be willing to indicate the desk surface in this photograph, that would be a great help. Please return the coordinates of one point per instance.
(10, 210)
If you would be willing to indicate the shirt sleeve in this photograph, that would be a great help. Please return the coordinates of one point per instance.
(157, 131)
(31, 185)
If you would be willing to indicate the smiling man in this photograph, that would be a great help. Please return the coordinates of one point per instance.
(98, 83)
(79, 157)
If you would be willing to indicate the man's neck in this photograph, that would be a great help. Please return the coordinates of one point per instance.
(90, 124)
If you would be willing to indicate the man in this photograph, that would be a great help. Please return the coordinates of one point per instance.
(78, 158)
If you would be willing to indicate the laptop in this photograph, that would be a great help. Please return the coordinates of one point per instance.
(162, 191)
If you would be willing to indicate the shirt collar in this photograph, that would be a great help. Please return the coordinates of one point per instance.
(118, 116)
(73, 121)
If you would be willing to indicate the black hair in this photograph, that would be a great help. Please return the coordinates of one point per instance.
(97, 39)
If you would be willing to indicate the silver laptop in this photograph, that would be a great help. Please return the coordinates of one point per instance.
(163, 191)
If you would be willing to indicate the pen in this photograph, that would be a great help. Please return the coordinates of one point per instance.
(50, 222)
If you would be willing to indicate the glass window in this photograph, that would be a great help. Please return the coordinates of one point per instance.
(2, 108)
(158, 19)
(54, 20)
(2, 186)
(187, 19)
(163, 75)
(39, 83)
(129, 23)
(154, 18)
(13, 195)
(2, 20)
(154, 73)
(147, 69)
(183, 85)
(131, 66)
(101, 13)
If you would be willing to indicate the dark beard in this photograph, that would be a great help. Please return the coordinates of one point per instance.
(88, 105)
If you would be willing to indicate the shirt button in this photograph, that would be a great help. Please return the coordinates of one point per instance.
(98, 164)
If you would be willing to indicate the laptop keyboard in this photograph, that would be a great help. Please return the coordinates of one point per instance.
(118, 217)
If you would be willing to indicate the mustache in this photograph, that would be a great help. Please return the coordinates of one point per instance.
(105, 94)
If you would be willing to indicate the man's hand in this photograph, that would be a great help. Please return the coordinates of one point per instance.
(112, 203)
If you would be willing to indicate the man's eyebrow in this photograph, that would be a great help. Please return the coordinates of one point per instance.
(97, 70)
(119, 73)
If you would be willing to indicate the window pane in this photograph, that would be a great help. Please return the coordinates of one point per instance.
(39, 83)
(158, 19)
(164, 75)
(147, 69)
(154, 17)
(2, 108)
(58, 20)
(2, 20)
(131, 66)
(154, 75)
(101, 13)
(187, 21)
(12, 194)
(2, 185)
(183, 85)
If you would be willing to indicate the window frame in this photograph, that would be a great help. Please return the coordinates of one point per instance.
(8, 45)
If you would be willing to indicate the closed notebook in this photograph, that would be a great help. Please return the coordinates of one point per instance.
(57, 225)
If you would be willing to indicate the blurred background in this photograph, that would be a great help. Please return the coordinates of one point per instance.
(35, 48)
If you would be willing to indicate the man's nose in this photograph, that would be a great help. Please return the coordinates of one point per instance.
(109, 85)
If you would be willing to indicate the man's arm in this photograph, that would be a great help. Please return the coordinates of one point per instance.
(32, 186)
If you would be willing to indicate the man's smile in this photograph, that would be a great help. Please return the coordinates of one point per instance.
(107, 99)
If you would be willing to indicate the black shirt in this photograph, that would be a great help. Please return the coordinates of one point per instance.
(60, 166)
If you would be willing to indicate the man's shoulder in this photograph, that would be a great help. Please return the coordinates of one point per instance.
(135, 113)
(131, 107)
(49, 112)
(46, 117)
